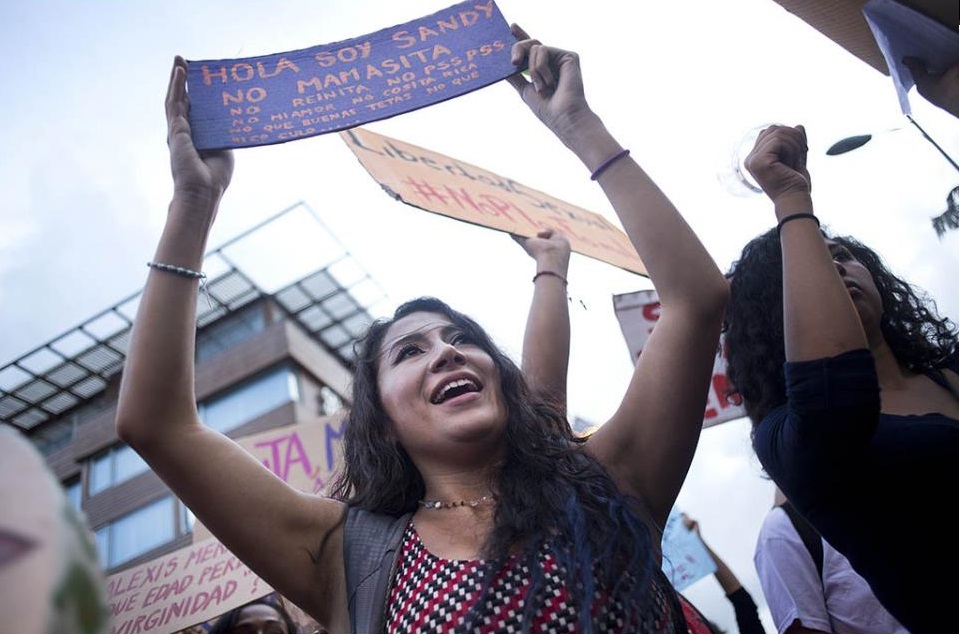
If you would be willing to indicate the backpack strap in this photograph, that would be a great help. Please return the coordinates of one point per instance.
(808, 534)
(371, 544)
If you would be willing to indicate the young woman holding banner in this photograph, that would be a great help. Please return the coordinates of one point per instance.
(512, 521)
(850, 379)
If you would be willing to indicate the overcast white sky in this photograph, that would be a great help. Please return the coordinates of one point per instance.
(86, 181)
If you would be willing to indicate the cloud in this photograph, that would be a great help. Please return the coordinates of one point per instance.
(72, 248)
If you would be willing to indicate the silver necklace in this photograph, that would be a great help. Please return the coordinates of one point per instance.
(437, 504)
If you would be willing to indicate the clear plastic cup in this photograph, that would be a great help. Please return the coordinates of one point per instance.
(732, 171)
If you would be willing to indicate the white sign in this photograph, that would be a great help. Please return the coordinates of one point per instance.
(685, 557)
(638, 313)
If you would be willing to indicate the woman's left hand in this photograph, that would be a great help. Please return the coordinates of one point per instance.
(555, 90)
(550, 249)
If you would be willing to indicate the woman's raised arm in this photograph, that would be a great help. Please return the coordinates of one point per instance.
(546, 339)
(819, 317)
(649, 442)
(273, 528)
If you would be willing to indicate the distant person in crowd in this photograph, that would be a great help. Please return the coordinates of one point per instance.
(263, 616)
(809, 586)
(744, 607)
(499, 518)
(939, 87)
(51, 581)
(849, 377)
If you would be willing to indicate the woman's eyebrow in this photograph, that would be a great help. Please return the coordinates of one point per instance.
(448, 330)
(403, 340)
(416, 336)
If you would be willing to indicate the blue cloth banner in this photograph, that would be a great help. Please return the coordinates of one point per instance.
(253, 101)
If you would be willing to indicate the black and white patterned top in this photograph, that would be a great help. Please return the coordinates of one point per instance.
(430, 594)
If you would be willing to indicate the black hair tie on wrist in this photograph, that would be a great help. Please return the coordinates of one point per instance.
(787, 219)
(551, 274)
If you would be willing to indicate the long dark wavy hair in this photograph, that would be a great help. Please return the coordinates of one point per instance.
(753, 327)
(547, 489)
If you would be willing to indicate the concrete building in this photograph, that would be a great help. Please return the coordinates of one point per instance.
(266, 357)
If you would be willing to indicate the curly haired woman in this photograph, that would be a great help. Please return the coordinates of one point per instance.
(506, 521)
(850, 379)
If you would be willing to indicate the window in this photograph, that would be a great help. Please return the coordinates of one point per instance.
(230, 331)
(51, 437)
(115, 465)
(330, 401)
(60, 433)
(244, 403)
(72, 489)
(186, 520)
(91, 410)
(136, 533)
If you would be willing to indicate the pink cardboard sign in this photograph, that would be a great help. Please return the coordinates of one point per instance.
(450, 187)
(189, 586)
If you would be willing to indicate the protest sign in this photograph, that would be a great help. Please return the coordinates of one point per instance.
(450, 187)
(638, 313)
(200, 582)
(685, 557)
(902, 32)
(276, 98)
(188, 586)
